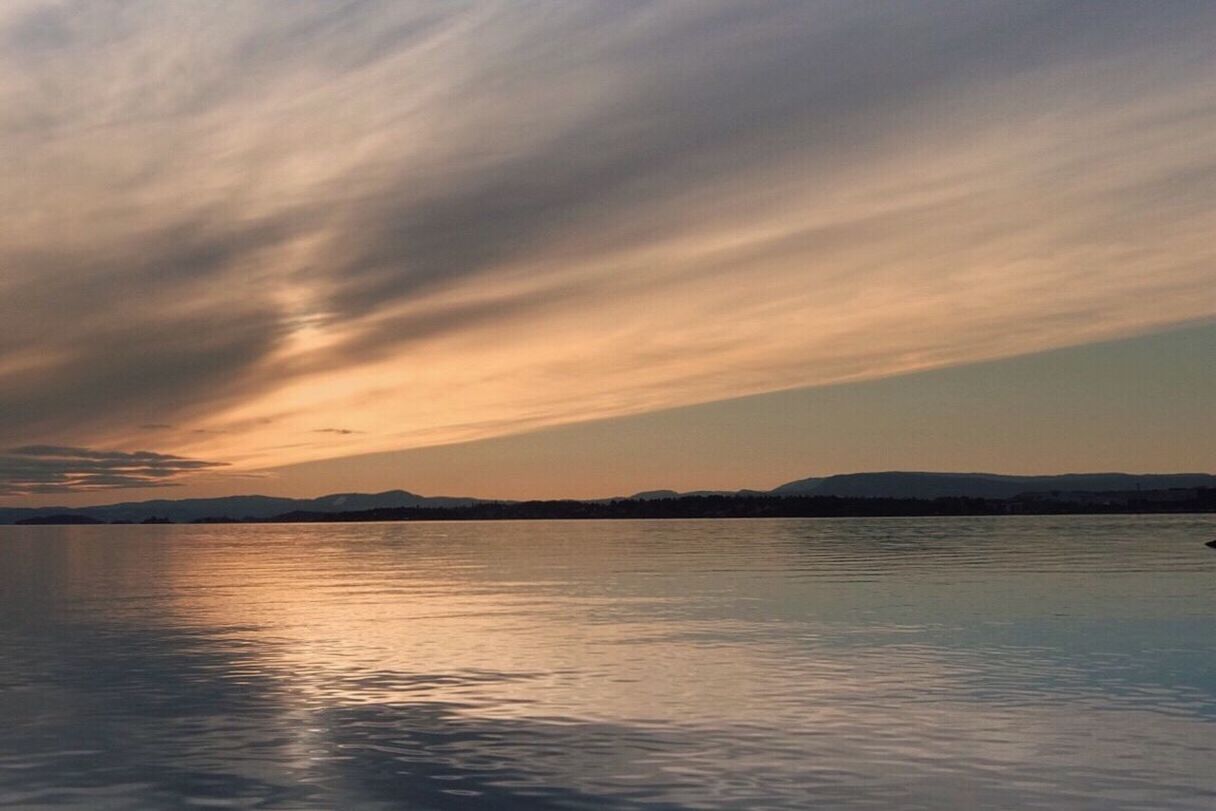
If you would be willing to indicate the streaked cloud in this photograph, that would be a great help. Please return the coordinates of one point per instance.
(432, 222)
(47, 469)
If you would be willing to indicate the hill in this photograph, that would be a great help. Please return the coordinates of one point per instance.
(1076, 488)
(900, 484)
(236, 507)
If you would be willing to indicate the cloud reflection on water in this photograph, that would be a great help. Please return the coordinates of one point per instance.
(490, 666)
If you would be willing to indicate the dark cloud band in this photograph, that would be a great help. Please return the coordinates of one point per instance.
(46, 469)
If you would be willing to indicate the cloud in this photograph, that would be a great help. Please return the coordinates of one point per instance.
(48, 469)
(430, 222)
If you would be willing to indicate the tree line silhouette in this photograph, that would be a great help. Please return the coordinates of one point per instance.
(739, 506)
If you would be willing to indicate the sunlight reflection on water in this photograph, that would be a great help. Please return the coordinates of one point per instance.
(858, 663)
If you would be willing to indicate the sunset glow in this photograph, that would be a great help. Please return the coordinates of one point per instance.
(259, 234)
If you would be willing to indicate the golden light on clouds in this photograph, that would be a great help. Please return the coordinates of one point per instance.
(285, 232)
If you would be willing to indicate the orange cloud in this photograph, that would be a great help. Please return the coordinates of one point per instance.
(425, 224)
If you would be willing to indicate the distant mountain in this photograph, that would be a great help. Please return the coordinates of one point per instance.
(237, 507)
(899, 484)
(658, 495)
(891, 485)
(653, 495)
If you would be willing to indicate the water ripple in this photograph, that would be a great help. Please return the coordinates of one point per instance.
(911, 663)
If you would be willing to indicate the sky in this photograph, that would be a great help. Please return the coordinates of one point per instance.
(525, 249)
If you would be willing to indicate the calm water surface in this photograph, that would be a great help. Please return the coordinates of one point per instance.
(1063, 663)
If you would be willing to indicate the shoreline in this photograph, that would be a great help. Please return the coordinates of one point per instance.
(689, 507)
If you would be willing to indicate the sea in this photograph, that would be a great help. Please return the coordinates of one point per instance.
(902, 663)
